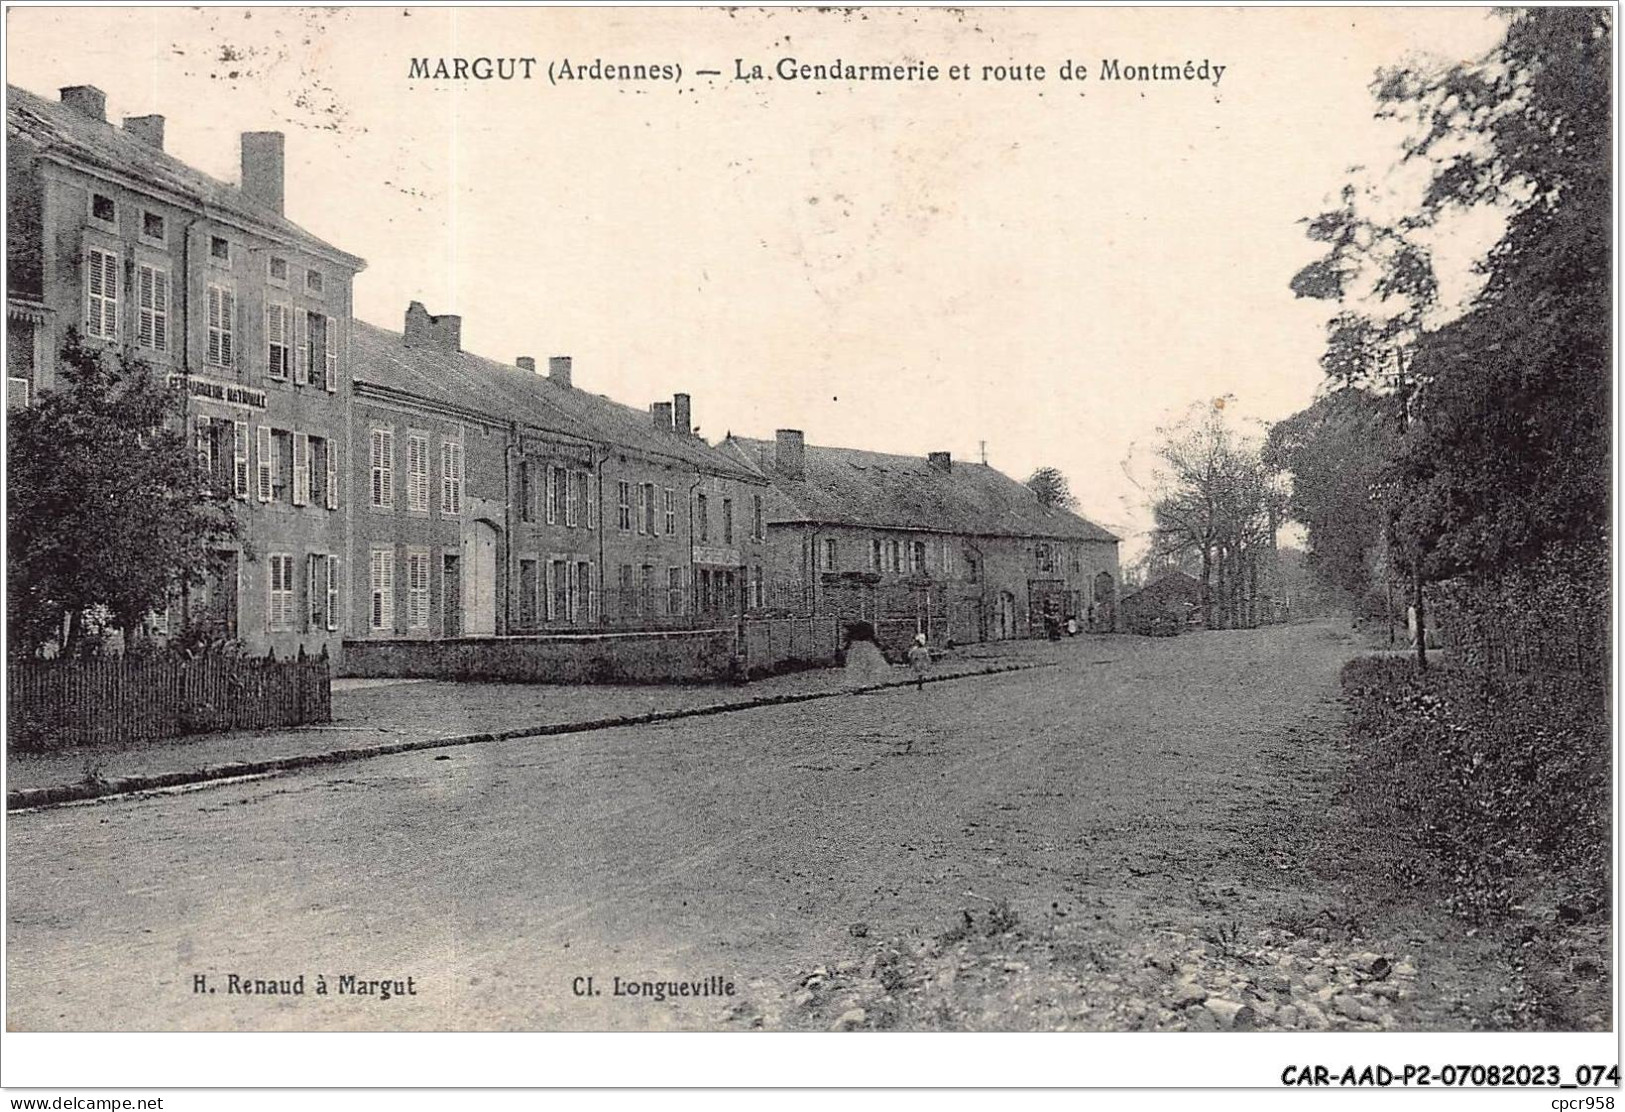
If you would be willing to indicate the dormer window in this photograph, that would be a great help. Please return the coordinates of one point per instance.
(154, 228)
(103, 209)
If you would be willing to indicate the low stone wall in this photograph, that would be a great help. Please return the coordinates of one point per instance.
(772, 644)
(668, 656)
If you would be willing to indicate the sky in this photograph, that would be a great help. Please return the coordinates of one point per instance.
(1052, 270)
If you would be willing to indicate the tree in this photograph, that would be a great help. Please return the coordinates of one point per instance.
(1051, 488)
(1335, 452)
(1212, 496)
(108, 505)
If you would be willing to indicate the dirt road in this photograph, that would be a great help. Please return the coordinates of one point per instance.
(1143, 789)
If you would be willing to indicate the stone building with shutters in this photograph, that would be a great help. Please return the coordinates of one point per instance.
(212, 285)
(495, 500)
(960, 552)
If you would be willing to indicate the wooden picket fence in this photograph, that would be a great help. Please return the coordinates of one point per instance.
(58, 704)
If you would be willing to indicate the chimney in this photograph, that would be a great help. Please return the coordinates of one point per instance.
(262, 168)
(526, 363)
(87, 100)
(662, 415)
(558, 369)
(447, 332)
(940, 461)
(148, 129)
(417, 331)
(790, 454)
(682, 414)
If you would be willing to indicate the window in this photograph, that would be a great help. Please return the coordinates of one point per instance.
(896, 552)
(527, 496)
(758, 522)
(323, 589)
(314, 283)
(624, 604)
(553, 494)
(527, 594)
(647, 503)
(101, 294)
(646, 590)
(383, 589)
(572, 507)
(383, 467)
(222, 324)
(152, 299)
(829, 553)
(947, 557)
(591, 499)
(674, 590)
(916, 557)
(103, 210)
(417, 588)
(756, 587)
(279, 608)
(558, 577)
(276, 270)
(219, 250)
(671, 511)
(623, 491)
(265, 451)
(702, 517)
(1044, 555)
(278, 349)
(645, 516)
(318, 352)
(213, 456)
(727, 521)
(153, 229)
(323, 473)
(451, 477)
(584, 595)
(417, 472)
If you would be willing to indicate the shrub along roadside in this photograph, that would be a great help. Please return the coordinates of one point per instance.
(1504, 784)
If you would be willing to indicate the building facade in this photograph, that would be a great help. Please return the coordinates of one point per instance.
(501, 501)
(959, 552)
(210, 285)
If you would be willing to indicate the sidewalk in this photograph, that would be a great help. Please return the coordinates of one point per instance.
(378, 717)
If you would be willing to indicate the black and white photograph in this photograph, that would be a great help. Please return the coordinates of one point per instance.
(839, 522)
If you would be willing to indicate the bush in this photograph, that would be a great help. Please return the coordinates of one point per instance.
(1504, 778)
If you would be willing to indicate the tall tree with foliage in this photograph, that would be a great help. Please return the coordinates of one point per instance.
(108, 504)
(1050, 487)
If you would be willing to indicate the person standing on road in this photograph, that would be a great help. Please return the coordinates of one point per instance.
(919, 659)
(865, 663)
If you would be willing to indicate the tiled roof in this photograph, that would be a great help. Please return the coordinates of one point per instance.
(505, 393)
(56, 127)
(846, 486)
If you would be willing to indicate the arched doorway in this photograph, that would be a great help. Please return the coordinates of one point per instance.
(480, 582)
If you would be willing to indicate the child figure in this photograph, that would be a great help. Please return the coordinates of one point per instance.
(919, 659)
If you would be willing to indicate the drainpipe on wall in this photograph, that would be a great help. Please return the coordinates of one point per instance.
(693, 574)
(598, 470)
(515, 444)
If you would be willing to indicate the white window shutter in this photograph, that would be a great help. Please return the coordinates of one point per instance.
(301, 349)
(552, 473)
(331, 334)
(239, 459)
(332, 474)
(548, 580)
(160, 310)
(301, 468)
(332, 590)
(264, 446)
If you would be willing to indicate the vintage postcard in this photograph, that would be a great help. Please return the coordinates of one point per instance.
(815, 520)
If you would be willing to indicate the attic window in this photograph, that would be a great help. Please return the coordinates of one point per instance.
(102, 209)
(219, 248)
(152, 226)
(277, 270)
(313, 282)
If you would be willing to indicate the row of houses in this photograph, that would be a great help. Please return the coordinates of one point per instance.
(397, 487)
